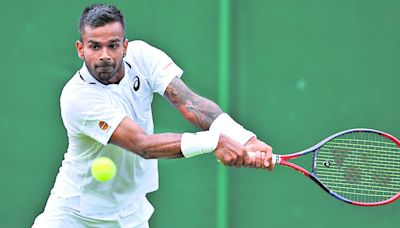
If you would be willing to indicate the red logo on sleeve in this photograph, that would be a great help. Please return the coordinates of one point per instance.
(103, 125)
(168, 65)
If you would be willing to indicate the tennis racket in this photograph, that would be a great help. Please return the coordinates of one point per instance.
(357, 166)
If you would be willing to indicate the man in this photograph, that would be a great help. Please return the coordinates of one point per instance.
(106, 109)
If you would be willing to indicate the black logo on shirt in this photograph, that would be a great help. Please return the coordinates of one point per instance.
(136, 83)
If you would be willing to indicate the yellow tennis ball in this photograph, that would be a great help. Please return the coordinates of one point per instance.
(103, 169)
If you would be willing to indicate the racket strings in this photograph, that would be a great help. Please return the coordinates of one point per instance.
(360, 156)
(360, 166)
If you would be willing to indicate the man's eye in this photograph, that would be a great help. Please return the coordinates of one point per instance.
(113, 46)
(95, 47)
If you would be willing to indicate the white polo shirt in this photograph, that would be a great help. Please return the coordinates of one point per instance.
(91, 112)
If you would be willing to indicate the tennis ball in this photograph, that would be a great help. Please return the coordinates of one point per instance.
(103, 169)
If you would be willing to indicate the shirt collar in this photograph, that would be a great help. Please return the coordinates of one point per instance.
(87, 76)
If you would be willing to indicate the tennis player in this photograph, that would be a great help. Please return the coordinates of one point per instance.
(106, 109)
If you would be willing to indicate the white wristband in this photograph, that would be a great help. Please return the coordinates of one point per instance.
(193, 144)
(226, 125)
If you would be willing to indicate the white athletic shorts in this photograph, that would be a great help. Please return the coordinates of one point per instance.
(57, 215)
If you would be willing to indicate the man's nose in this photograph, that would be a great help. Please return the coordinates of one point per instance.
(105, 55)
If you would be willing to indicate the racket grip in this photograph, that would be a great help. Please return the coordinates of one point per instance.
(276, 159)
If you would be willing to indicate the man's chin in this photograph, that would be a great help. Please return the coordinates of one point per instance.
(104, 75)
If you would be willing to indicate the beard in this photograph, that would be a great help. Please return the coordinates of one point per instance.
(105, 70)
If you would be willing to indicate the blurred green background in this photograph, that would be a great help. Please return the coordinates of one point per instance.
(299, 70)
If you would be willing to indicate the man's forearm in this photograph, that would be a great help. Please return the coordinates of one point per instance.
(131, 136)
(198, 110)
(166, 145)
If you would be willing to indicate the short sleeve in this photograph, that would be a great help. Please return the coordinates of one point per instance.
(91, 115)
(159, 68)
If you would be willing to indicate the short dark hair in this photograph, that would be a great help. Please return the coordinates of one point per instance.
(98, 15)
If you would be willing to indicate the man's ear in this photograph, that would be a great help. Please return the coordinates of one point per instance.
(125, 44)
(79, 48)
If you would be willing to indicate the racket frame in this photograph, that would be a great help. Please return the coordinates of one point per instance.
(283, 160)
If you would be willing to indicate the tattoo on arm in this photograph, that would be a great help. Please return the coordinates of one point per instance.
(198, 110)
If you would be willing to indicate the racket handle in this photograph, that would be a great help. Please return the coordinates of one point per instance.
(276, 159)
